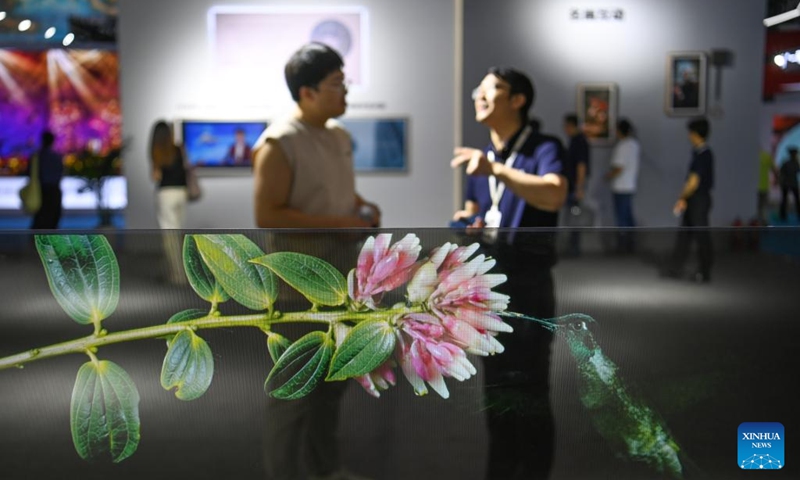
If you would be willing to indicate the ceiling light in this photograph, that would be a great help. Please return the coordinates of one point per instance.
(68, 38)
(783, 17)
(780, 61)
(50, 32)
(2, 16)
(24, 25)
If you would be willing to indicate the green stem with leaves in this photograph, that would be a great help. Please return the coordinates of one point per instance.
(263, 321)
(84, 277)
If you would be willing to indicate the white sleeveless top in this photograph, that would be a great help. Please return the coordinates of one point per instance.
(321, 159)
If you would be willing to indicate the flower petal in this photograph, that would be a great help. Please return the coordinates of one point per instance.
(438, 385)
(423, 284)
(411, 375)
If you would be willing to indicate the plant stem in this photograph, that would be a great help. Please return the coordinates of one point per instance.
(259, 320)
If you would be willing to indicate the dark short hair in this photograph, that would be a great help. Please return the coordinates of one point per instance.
(625, 127)
(700, 126)
(519, 83)
(48, 139)
(309, 66)
(571, 119)
(792, 149)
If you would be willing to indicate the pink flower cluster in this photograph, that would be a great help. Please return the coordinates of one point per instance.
(381, 268)
(455, 310)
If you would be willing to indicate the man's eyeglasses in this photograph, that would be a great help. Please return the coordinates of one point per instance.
(336, 87)
(489, 91)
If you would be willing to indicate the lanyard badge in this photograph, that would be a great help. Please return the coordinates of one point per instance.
(494, 217)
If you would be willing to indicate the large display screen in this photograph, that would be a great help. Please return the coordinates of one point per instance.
(215, 144)
(75, 95)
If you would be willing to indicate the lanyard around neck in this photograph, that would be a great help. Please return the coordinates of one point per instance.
(496, 191)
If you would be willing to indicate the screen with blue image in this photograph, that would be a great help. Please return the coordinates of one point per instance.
(379, 144)
(214, 143)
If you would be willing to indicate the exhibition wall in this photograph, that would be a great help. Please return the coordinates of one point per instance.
(171, 68)
(560, 51)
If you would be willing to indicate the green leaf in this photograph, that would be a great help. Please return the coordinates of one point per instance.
(104, 413)
(364, 349)
(228, 257)
(186, 315)
(83, 275)
(277, 345)
(316, 279)
(188, 366)
(200, 276)
(301, 366)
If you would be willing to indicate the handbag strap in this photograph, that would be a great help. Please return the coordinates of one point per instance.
(34, 170)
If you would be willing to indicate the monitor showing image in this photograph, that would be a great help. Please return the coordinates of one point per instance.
(379, 144)
(214, 144)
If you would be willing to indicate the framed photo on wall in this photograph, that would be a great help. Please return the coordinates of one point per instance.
(256, 40)
(597, 111)
(379, 144)
(686, 84)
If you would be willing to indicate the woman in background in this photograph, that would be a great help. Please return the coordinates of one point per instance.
(169, 174)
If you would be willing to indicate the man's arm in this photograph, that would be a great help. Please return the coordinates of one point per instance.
(688, 190)
(582, 168)
(372, 208)
(617, 162)
(613, 173)
(690, 186)
(470, 209)
(273, 180)
(580, 181)
(547, 192)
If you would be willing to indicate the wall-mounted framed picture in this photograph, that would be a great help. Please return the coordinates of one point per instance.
(597, 111)
(220, 146)
(257, 40)
(685, 93)
(379, 144)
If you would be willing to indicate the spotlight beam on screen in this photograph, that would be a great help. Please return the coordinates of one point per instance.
(8, 82)
(783, 17)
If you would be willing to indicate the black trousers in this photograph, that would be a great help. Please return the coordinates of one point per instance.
(785, 200)
(517, 392)
(49, 215)
(696, 215)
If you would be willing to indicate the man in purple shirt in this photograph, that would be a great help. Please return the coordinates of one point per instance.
(526, 165)
(514, 183)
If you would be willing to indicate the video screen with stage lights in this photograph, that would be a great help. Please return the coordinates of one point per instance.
(74, 94)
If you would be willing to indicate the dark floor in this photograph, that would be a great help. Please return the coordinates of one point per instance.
(705, 357)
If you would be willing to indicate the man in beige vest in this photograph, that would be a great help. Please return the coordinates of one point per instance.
(304, 179)
(304, 164)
